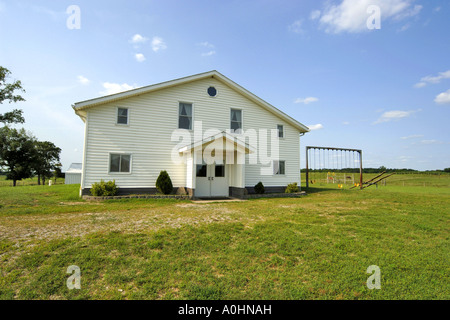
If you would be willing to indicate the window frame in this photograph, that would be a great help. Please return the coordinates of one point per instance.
(110, 154)
(242, 120)
(278, 162)
(192, 115)
(282, 131)
(117, 116)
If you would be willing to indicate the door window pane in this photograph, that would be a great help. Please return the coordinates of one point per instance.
(220, 171)
(201, 170)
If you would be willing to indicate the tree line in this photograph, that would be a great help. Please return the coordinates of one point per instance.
(22, 155)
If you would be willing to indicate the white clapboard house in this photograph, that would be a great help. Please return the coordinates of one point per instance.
(213, 137)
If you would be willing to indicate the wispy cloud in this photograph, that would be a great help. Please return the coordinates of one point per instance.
(209, 53)
(314, 14)
(158, 44)
(209, 46)
(112, 88)
(413, 136)
(137, 38)
(296, 27)
(433, 79)
(139, 57)
(83, 80)
(313, 127)
(443, 98)
(395, 115)
(351, 15)
(306, 100)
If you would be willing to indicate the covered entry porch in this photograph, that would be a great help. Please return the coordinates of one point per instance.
(215, 166)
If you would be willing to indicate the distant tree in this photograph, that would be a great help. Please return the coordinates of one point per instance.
(17, 150)
(58, 171)
(45, 160)
(382, 168)
(447, 170)
(7, 94)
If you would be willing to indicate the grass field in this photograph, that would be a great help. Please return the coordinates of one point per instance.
(315, 247)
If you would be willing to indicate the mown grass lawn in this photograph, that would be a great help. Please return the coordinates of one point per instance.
(315, 247)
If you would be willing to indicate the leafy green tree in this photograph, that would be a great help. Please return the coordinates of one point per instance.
(447, 170)
(17, 150)
(45, 160)
(7, 94)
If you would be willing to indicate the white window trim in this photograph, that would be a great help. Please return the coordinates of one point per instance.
(122, 154)
(192, 117)
(117, 117)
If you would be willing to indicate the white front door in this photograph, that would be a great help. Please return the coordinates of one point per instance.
(211, 180)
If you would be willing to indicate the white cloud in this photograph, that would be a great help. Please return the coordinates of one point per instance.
(306, 100)
(139, 57)
(346, 123)
(206, 44)
(394, 115)
(437, 9)
(209, 53)
(414, 136)
(314, 14)
(443, 98)
(83, 80)
(296, 27)
(351, 15)
(433, 79)
(158, 44)
(313, 127)
(137, 38)
(112, 88)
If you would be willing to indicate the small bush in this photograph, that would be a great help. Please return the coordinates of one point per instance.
(291, 188)
(163, 183)
(104, 189)
(259, 188)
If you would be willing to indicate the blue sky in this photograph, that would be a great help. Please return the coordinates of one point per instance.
(384, 90)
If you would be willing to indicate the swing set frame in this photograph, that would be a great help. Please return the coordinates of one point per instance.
(308, 148)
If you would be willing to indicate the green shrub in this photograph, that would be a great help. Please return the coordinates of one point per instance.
(104, 189)
(259, 188)
(291, 188)
(163, 183)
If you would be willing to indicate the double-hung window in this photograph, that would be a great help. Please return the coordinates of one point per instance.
(279, 167)
(185, 116)
(280, 131)
(119, 163)
(122, 116)
(236, 119)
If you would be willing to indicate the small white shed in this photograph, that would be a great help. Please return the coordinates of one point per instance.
(73, 174)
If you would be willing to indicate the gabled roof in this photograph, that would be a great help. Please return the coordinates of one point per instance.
(238, 143)
(75, 168)
(83, 105)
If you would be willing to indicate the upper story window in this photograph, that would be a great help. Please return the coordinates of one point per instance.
(280, 131)
(236, 119)
(120, 163)
(122, 116)
(185, 116)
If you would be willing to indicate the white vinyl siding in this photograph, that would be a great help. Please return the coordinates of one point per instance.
(156, 115)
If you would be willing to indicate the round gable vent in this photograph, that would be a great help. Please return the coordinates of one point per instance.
(212, 91)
